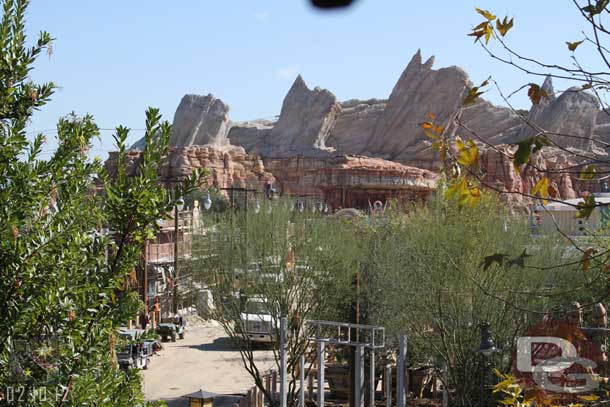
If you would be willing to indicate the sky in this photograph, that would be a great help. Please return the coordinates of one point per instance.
(114, 58)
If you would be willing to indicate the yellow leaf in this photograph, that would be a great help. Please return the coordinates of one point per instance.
(485, 29)
(468, 155)
(504, 25)
(589, 397)
(485, 14)
(542, 189)
(431, 134)
(456, 189)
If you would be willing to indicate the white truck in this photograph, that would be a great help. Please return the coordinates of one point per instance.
(260, 319)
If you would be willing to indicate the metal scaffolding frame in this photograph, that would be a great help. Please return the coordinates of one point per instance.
(361, 337)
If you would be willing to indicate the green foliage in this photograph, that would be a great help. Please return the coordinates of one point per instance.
(442, 270)
(70, 236)
(302, 264)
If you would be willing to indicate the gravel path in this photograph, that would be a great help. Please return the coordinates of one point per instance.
(204, 360)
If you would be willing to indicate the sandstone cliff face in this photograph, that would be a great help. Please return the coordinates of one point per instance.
(355, 125)
(313, 128)
(419, 91)
(200, 120)
(313, 124)
(305, 122)
(227, 167)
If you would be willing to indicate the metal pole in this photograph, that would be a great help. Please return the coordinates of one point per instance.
(359, 377)
(175, 292)
(372, 378)
(445, 390)
(400, 372)
(320, 373)
(283, 371)
(302, 382)
(388, 385)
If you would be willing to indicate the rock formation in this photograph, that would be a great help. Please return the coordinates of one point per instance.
(201, 120)
(227, 168)
(305, 122)
(313, 128)
(419, 91)
(355, 125)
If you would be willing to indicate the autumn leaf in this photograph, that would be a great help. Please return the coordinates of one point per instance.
(585, 261)
(573, 45)
(466, 194)
(468, 153)
(553, 192)
(455, 190)
(474, 93)
(471, 197)
(504, 25)
(483, 30)
(586, 207)
(589, 397)
(472, 96)
(542, 189)
(485, 14)
(432, 131)
(441, 147)
(536, 93)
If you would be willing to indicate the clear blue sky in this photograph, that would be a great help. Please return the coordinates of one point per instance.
(114, 58)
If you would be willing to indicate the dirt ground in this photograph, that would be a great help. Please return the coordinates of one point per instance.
(204, 360)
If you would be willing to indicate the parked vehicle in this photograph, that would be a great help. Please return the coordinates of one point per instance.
(259, 318)
(135, 354)
(170, 328)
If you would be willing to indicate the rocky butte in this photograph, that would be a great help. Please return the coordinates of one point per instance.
(353, 151)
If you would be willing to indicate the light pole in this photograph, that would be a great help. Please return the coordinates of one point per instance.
(487, 348)
(177, 208)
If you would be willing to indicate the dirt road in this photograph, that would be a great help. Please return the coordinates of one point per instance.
(205, 359)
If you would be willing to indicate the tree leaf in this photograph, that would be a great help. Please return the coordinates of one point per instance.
(483, 30)
(542, 189)
(468, 154)
(585, 261)
(504, 26)
(586, 207)
(474, 93)
(536, 93)
(573, 45)
(486, 14)
(523, 153)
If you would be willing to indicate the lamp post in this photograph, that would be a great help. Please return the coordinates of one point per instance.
(177, 208)
(487, 348)
(207, 202)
